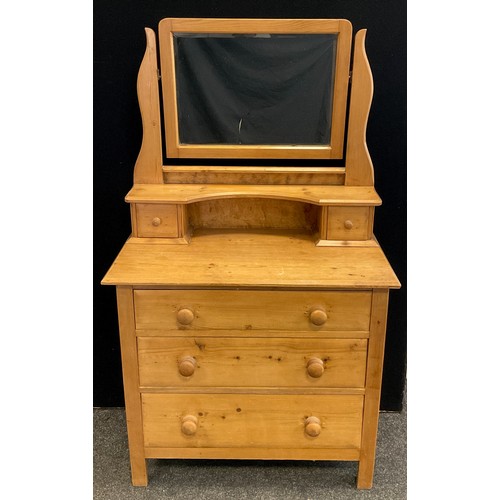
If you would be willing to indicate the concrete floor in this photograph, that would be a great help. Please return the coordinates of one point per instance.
(238, 480)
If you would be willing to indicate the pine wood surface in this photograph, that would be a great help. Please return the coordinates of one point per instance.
(253, 175)
(249, 453)
(128, 346)
(250, 420)
(242, 25)
(249, 259)
(349, 223)
(148, 167)
(251, 362)
(253, 213)
(359, 167)
(249, 311)
(375, 364)
(190, 193)
(157, 220)
(323, 334)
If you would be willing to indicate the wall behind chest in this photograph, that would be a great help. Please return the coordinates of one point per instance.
(119, 43)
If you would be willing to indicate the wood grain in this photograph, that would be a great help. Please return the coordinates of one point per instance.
(296, 391)
(157, 220)
(373, 385)
(253, 213)
(248, 311)
(131, 385)
(359, 229)
(242, 25)
(250, 362)
(190, 193)
(148, 167)
(347, 243)
(248, 453)
(359, 167)
(253, 175)
(290, 152)
(322, 334)
(249, 420)
(340, 89)
(249, 260)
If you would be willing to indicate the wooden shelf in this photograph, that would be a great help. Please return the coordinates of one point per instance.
(191, 193)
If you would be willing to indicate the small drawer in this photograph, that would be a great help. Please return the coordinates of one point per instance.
(156, 220)
(251, 362)
(250, 311)
(349, 223)
(252, 420)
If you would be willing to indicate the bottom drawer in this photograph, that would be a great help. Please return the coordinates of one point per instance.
(252, 420)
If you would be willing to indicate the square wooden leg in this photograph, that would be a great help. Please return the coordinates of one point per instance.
(365, 471)
(133, 410)
(371, 409)
(139, 470)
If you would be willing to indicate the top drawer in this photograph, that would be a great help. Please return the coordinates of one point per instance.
(252, 310)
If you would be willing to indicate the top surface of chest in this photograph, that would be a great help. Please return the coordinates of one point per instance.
(249, 259)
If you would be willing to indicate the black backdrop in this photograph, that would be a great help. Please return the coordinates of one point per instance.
(119, 43)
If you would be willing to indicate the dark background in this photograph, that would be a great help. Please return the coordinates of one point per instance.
(119, 43)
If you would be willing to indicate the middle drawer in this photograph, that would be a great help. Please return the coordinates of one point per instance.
(251, 362)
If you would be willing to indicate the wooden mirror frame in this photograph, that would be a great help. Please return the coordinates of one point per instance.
(334, 150)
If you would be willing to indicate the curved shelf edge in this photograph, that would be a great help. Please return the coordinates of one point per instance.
(192, 193)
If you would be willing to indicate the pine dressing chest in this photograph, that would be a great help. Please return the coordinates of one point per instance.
(252, 299)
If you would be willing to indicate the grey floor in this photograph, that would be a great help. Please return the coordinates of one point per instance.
(221, 479)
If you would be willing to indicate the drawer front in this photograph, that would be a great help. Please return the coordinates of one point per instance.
(349, 223)
(232, 420)
(252, 311)
(157, 220)
(251, 362)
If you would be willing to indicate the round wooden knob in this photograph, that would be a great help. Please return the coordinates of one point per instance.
(187, 366)
(315, 367)
(348, 224)
(318, 317)
(156, 221)
(189, 425)
(313, 426)
(185, 316)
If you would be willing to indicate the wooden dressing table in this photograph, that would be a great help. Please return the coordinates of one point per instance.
(252, 300)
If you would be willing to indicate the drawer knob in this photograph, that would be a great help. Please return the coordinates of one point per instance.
(189, 425)
(187, 366)
(318, 317)
(348, 224)
(313, 426)
(185, 316)
(156, 221)
(315, 367)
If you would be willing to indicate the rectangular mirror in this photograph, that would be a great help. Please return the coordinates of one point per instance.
(233, 91)
(254, 89)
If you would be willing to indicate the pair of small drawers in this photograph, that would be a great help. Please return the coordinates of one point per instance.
(161, 220)
(260, 369)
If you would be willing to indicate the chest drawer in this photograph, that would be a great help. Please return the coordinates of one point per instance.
(251, 362)
(234, 420)
(252, 310)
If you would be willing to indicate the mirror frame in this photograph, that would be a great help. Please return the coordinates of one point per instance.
(174, 149)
